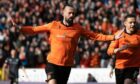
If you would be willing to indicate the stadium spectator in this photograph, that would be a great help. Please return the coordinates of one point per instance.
(85, 60)
(104, 56)
(95, 58)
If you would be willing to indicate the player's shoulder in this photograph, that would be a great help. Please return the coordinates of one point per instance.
(118, 31)
(77, 26)
(60, 22)
(7, 59)
(138, 31)
(54, 22)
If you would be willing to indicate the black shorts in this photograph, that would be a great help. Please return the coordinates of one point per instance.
(60, 73)
(122, 74)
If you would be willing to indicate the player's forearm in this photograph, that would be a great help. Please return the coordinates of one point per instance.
(116, 50)
(133, 45)
(98, 36)
(110, 37)
(33, 30)
(113, 51)
(27, 30)
(102, 37)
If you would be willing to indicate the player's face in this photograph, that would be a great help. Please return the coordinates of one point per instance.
(69, 14)
(13, 53)
(130, 25)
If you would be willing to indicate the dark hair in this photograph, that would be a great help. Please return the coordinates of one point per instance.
(130, 16)
(70, 5)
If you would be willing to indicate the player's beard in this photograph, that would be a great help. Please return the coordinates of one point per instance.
(69, 21)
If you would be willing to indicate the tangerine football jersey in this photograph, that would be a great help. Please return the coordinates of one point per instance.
(64, 40)
(129, 57)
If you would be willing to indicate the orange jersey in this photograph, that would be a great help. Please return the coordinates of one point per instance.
(64, 40)
(129, 57)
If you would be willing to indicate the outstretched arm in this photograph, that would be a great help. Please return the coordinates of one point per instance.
(34, 30)
(30, 30)
(102, 37)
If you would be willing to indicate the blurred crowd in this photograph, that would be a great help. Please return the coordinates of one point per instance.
(104, 16)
